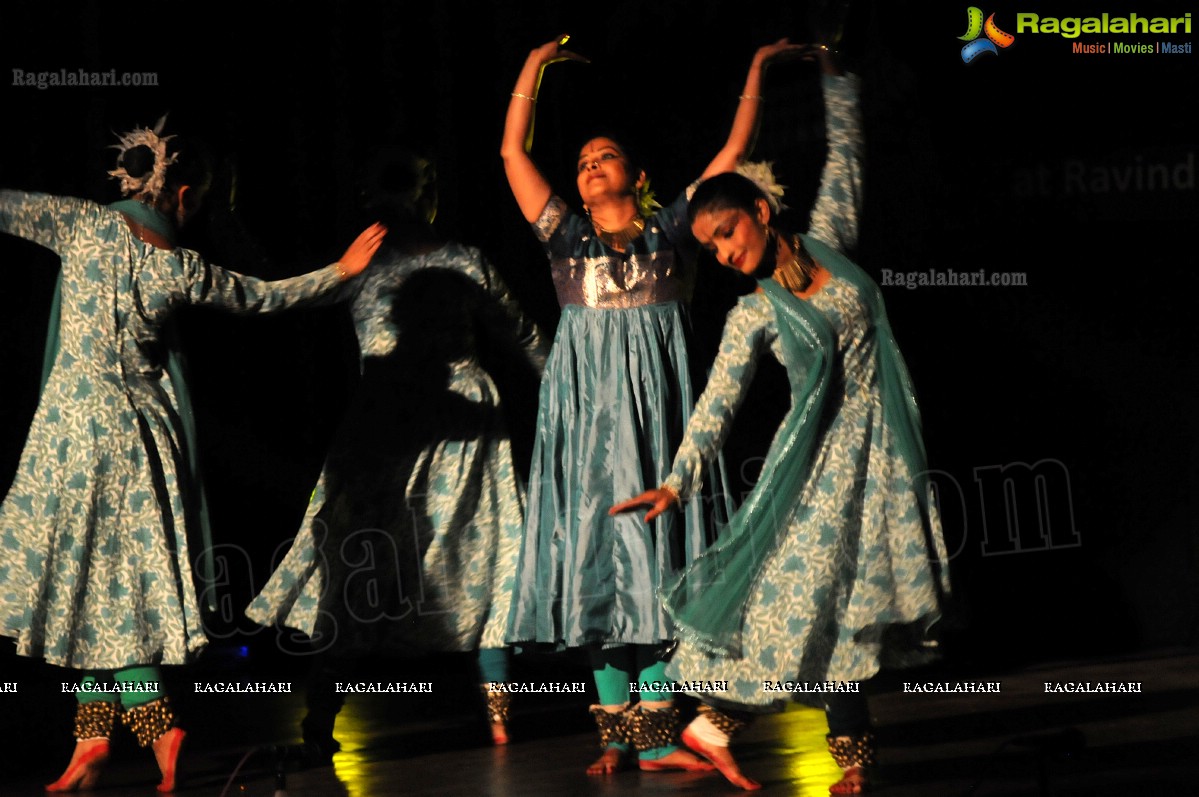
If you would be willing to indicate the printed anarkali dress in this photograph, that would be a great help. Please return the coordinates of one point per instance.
(859, 552)
(409, 543)
(835, 564)
(97, 529)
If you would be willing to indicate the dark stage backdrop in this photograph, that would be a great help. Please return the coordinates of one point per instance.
(1059, 413)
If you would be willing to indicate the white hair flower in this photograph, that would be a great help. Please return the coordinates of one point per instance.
(762, 174)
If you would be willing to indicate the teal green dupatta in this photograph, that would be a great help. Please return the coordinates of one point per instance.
(708, 600)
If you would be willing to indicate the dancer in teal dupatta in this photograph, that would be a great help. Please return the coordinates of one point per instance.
(97, 527)
(838, 544)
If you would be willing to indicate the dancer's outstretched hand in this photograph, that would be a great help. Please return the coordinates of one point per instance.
(658, 499)
(362, 250)
(783, 50)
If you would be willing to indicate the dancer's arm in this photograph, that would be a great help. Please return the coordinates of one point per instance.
(711, 421)
(838, 204)
(531, 190)
(42, 219)
(744, 131)
(205, 284)
(505, 318)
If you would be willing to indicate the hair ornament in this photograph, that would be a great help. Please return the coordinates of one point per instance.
(647, 205)
(152, 181)
(762, 175)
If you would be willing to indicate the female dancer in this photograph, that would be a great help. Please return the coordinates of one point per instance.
(95, 572)
(615, 399)
(421, 473)
(838, 542)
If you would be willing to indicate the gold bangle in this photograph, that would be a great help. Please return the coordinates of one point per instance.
(524, 96)
(752, 97)
(342, 272)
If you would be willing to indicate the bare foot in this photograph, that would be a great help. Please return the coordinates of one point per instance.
(84, 769)
(723, 759)
(166, 753)
(498, 703)
(613, 760)
(679, 759)
(853, 781)
(499, 733)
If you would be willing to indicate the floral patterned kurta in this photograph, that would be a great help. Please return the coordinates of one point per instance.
(411, 538)
(95, 565)
(853, 556)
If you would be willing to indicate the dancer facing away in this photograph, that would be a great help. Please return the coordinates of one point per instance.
(420, 475)
(614, 401)
(96, 572)
(838, 541)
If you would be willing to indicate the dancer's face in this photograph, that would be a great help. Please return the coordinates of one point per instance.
(736, 237)
(604, 169)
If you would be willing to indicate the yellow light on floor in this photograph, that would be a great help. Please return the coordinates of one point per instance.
(351, 765)
(810, 767)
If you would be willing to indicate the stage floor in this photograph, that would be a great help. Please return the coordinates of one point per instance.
(1023, 740)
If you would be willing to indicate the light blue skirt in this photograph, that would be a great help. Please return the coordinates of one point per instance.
(615, 399)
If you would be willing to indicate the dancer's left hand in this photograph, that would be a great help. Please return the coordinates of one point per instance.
(659, 499)
(783, 50)
(362, 250)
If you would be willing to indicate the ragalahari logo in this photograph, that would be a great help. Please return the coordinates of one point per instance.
(975, 26)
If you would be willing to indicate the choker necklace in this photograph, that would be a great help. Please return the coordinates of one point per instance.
(796, 274)
(620, 239)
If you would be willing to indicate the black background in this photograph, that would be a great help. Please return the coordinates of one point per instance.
(1087, 370)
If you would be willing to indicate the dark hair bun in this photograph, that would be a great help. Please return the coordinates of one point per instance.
(138, 161)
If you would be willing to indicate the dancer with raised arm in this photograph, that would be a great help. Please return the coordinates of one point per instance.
(103, 519)
(615, 398)
(838, 544)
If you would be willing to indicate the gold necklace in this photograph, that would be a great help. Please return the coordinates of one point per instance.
(795, 275)
(619, 239)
